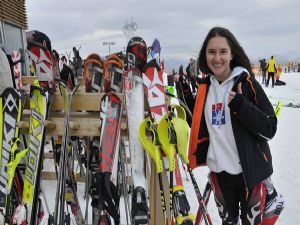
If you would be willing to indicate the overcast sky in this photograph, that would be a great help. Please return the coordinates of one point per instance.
(263, 27)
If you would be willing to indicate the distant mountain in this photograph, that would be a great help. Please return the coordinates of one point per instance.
(292, 56)
(174, 64)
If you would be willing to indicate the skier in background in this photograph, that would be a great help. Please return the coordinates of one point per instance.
(66, 74)
(271, 67)
(188, 74)
(194, 74)
(181, 70)
(232, 140)
(77, 63)
(263, 65)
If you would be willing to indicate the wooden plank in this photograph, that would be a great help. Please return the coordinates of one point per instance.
(28, 80)
(49, 175)
(81, 101)
(87, 127)
(88, 124)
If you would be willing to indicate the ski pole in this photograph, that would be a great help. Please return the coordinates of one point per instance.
(168, 145)
(152, 148)
(181, 129)
(206, 195)
(180, 207)
(202, 205)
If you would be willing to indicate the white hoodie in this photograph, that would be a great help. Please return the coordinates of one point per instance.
(222, 151)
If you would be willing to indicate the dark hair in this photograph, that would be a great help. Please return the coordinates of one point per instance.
(239, 58)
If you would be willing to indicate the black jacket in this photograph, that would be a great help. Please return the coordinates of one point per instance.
(67, 75)
(253, 123)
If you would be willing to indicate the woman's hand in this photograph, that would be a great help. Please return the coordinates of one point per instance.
(232, 93)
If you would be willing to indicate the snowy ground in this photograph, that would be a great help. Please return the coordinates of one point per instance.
(285, 147)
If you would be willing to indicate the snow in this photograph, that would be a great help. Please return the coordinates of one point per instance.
(285, 148)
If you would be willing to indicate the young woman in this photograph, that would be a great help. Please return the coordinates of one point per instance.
(232, 122)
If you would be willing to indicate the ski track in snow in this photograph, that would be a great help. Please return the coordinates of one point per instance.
(285, 148)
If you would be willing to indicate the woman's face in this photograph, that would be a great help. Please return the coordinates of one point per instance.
(218, 56)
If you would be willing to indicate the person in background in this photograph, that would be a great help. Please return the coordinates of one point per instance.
(233, 120)
(180, 70)
(194, 74)
(263, 65)
(77, 63)
(271, 67)
(66, 74)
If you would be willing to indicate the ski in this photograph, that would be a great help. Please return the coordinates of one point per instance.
(123, 184)
(105, 198)
(11, 110)
(154, 89)
(66, 191)
(16, 58)
(136, 55)
(153, 149)
(181, 130)
(40, 101)
(39, 49)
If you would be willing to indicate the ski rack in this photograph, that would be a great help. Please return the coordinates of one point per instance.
(84, 117)
(85, 121)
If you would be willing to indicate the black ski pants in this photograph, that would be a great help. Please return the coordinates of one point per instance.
(233, 200)
(270, 74)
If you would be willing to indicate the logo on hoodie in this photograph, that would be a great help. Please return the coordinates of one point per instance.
(218, 114)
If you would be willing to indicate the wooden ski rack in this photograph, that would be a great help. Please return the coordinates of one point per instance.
(85, 121)
(84, 114)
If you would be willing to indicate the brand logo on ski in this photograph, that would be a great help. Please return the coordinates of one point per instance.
(154, 89)
(16, 56)
(10, 106)
(36, 133)
(8, 133)
(42, 63)
(128, 84)
(109, 115)
(34, 149)
(131, 60)
(131, 76)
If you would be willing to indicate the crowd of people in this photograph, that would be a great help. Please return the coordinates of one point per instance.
(292, 67)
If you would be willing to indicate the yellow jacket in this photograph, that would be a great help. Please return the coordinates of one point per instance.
(271, 65)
